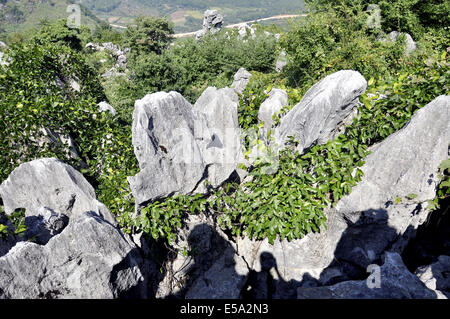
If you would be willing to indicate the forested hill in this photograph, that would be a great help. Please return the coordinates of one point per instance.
(20, 15)
(187, 15)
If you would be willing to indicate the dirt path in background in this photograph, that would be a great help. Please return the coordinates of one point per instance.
(236, 25)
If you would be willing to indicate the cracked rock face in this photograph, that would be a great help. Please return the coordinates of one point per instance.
(241, 79)
(90, 258)
(318, 115)
(223, 152)
(179, 146)
(50, 183)
(367, 222)
(437, 275)
(277, 99)
(404, 164)
(395, 282)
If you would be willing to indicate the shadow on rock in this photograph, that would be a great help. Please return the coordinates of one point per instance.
(211, 269)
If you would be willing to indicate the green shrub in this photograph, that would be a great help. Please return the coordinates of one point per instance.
(326, 42)
(36, 93)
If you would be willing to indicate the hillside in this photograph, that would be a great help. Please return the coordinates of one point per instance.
(20, 15)
(307, 162)
(188, 15)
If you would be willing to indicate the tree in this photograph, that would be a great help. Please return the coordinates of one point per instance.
(150, 34)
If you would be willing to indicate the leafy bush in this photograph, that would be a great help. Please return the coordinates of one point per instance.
(149, 34)
(329, 41)
(36, 93)
(412, 16)
(190, 66)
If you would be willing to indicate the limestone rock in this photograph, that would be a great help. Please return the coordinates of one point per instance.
(396, 282)
(277, 99)
(327, 104)
(50, 183)
(90, 258)
(106, 107)
(241, 79)
(410, 45)
(436, 276)
(165, 144)
(367, 221)
(224, 280)
(223, 152)
(403, 166)
(179, 146)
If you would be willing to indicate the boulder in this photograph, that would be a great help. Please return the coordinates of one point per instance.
(281, 61)
(179, 146)
(50, 183)
(400, 176)
(395, 282)
(410, 45)
(223, 153)
(166, 137)
(436, 276)
(277, 99)
(90, 258)
(212, 21)
(323, 108)
(241, 79)
(245, 31)
(106, 107)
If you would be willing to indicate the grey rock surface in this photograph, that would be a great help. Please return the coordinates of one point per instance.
(222, 154)
(106, 107)
(367, 222)
(395, 282)
(90, 258)
(50, 183)
(212, 23)
(410, 45)
(290, 263)
(45, 224)
(165, 144)
(241, 79)
(404, 166)
(436, 276)
(327, 104)
(224, 280)
(277, 99)
(281, 61)
(205, 244)
(179, 146)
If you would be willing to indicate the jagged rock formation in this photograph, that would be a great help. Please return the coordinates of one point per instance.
(241, 79)
(223, 153)
(80, 253)
(179, 146)
(90, 258)
(410, 45)
(212, 22)
(106, 107)
(119, 55)
(435, 276)
(52, 184)
(323, 108)
(281, 61)
(277, 99)
(395, 282)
